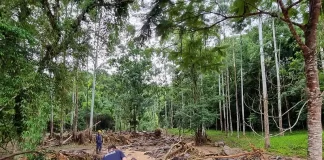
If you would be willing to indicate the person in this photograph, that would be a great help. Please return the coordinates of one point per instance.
(114, 154)
(99, 141)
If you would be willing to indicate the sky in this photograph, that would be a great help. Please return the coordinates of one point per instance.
(136, 19)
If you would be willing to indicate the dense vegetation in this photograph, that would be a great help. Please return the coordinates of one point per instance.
(66, 65)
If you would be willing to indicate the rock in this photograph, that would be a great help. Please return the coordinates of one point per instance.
(227, 151)
(219, 144)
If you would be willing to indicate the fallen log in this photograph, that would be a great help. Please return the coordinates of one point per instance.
(19, 153)
(255, 153)
(92, 126)
(67, 140)
(169, 152)
(237, 155)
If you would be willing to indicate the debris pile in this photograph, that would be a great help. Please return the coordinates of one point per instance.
(152, 144)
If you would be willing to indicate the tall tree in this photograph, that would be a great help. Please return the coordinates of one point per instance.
(278, 77)
(220, 103)
(242, 93)
(236, 98)
(76, 101)
(97, 33)
(264, 88)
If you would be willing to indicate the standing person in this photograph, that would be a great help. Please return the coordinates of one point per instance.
(99, 142)
(114, 154)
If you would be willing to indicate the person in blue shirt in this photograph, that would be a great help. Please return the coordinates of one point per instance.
(114, 154)
(99, 141)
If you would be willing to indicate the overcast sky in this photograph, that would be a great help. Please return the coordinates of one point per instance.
(136, 19)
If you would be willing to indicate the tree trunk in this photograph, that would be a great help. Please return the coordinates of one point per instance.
(200, 136)
(116, 117)
(73, 106)
(171, 114)
(75, 125)
(76, 111)
(314, 124)
(242, 93)
(97, 31)
(224, 105)
(134, 125)
(287, 107)
(61, 126)
(229, 113)
(278, 78)
(264, 88)
(182, 106)
(93, 94)
(220, 103)
(236, 99)
(260, 106)
(322, 57)
(314, 107)
(52, 113)
(226, 108)
(166, 114)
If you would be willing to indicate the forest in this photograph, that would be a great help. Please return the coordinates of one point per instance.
(243, 72)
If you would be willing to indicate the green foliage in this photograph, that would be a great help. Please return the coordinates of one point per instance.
(35, 123)
(149, 122)
(244, 7)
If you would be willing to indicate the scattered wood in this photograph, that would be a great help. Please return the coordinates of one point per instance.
(64, 142)
(19, 153)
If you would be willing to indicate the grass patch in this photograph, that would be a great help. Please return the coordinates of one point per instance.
(292, 144)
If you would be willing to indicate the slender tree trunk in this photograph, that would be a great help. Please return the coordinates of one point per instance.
(116, 117)
(61, 126)
(224, 105)
(171, 114)
(322, 57)
(182, 106)
(278, 78)
(229, 103)
(52, 112)
(236, 99)
(166, 114)
(93, 93)
(287, 107)
(260, 106)
(73, 105)
(220, 103)
(76, 110)
(75, 121)
(264, 88)
(97, 30)
(242, 93)
(76, 105)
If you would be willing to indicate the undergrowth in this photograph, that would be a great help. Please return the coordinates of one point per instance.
(291, 144)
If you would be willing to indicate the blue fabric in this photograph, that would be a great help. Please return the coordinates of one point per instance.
(114, 155)
(99, 139)
(98, 149)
